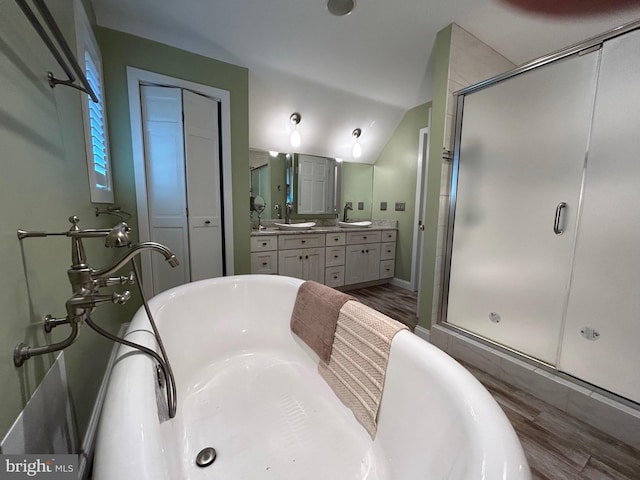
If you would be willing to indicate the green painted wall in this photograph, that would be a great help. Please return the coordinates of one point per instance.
(357, 186)
(120, 50)
(394, 180)
(44, 180)
(440, 55)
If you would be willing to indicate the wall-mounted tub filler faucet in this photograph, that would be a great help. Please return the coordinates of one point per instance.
(86, 281)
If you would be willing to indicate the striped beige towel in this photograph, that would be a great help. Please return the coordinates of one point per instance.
(358, 361)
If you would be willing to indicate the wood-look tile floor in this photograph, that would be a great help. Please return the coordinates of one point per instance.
(557, 446)
(395, 302)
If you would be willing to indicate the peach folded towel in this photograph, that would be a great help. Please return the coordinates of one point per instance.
(315, 314)
(358, 362)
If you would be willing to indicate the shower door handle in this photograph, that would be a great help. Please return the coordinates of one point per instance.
(556, 222)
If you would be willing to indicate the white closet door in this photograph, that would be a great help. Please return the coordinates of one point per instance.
(165, 176)
(522, 154)
(202, 148)
(605, 292)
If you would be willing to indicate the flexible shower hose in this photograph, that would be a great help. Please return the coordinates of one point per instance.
(163, 361)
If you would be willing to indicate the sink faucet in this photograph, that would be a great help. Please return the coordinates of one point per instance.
(347, 206)
(278, 208)
(287, 212)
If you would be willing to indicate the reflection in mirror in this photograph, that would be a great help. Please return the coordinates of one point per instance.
(318, 184)
(267, 179)
(274, 178)
(259, 206)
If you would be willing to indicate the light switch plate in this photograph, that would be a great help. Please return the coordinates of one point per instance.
(400, 206)
(383, 206)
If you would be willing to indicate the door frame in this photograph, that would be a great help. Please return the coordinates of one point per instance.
(420, 205)
(135, 77)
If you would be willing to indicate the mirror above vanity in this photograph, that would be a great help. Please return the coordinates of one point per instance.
(315, 186)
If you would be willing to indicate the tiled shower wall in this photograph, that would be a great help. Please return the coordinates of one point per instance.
(470, 61)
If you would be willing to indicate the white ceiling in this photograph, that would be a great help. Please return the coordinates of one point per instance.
(362, 70)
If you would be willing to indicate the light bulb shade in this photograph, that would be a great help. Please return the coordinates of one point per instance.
(295, 139)
(356, 151)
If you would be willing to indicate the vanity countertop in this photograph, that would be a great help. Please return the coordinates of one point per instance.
(383, 225)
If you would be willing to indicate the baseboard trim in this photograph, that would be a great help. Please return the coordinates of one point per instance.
(89, 441)
(401, 283)
(423, 333)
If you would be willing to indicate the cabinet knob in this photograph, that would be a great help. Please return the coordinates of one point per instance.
(303, 241)
(264, 264)
(306, 256)
(367, 251)
(207, 222)
(300, 257)
(364, 237)
(264, 244)
(335, 277)
(362, 251)
(335, 256)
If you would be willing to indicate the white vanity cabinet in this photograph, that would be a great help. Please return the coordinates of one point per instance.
(302, 256)
(362, 263)
(264, 254)
(335, 258)
(362, 257)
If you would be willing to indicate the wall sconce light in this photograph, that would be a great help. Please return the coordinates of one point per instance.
(356, 151)
(295, 139)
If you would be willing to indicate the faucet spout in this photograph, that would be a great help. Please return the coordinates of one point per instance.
(347, 207)
(132, 252)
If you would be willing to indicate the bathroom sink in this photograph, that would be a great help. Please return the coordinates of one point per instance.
(295, 226)
(363, 224)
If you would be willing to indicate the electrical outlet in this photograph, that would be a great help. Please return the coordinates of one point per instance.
(400, 206)
(383, 206)
(360, 205)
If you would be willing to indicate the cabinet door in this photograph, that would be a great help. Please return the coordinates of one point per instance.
(355, 264)
(606, 278)
(521, 157)
(290, 263)
(372, 262)
(313, 261)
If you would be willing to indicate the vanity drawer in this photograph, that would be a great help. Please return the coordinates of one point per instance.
(388, 251)
(264, 262)
(335, 239)
(334, 276)
(363, 237)
(389, 235)
(387, 268)
(263, 243)
(287, 242)
(334, 256)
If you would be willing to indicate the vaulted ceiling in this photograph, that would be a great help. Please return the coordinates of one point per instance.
(361, 70)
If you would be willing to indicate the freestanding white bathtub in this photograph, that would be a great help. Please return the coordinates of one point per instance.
(249, 387)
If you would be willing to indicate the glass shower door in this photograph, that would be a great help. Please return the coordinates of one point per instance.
(602, 332)
(519, 175)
